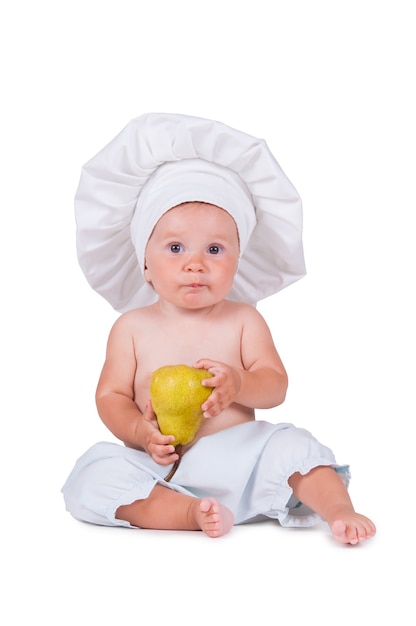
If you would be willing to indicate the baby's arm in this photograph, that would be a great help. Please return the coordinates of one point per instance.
(115, 399)
(260, 383)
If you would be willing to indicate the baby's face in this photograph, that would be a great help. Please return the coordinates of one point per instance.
(192, 255)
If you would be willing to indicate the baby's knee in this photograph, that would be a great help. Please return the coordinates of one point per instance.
(100, 484)
(296, 450)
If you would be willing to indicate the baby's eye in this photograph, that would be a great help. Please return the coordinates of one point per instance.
(175, 247)
(214, 249)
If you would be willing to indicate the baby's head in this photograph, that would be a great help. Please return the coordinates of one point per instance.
(161, 160)
(192, 255)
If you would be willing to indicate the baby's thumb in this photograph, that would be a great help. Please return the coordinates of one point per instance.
(149, 414)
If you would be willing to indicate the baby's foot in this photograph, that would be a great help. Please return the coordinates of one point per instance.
(213, 518)
(353, 529)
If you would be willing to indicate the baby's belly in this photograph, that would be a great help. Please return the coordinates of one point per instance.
(230, 417)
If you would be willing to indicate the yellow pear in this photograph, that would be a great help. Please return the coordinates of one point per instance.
(177, 394)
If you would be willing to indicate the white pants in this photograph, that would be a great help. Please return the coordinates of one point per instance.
(245, 467)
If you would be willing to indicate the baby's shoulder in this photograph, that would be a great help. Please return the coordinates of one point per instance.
(134, 318)
(240, 314)
(241, 309)
(245, 316)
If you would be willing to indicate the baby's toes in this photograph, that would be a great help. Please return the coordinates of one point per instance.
(339, 531)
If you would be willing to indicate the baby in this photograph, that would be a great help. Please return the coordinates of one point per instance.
(190, 246)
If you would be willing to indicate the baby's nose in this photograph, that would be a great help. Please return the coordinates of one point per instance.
(195, 265)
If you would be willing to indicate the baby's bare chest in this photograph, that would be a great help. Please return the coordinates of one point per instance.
(184, 344)
(189, 343)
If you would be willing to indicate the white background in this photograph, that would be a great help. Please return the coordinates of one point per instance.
(331, 86)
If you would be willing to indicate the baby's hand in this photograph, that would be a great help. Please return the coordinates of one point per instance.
(158, 446)
(226, 382)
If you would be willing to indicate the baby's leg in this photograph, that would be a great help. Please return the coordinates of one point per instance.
(323, 491)
(165, 509)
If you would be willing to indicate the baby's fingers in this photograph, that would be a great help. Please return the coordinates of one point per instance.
(209, 382)
(204, 364)
(164, 455)
(211, 407)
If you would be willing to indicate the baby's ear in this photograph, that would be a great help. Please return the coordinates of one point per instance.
(146, 274)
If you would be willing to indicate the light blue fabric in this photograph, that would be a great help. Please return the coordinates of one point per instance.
(246, 467)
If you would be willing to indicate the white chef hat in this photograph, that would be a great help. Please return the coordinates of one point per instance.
(161, 160)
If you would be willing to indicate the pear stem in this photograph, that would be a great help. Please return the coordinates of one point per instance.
(178, 450)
